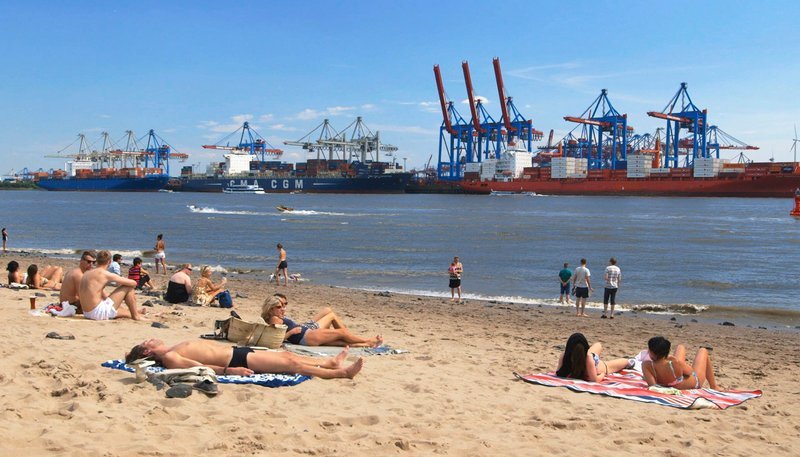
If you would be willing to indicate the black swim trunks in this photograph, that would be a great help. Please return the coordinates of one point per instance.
(455, 283)
(283, 265)
(239, 358)
(582, 292)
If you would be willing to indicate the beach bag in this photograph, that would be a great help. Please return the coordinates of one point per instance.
(224, 299)
(246, 333)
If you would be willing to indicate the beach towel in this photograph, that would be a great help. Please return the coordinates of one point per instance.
(331, 351)
(629, 385)
(266, 380)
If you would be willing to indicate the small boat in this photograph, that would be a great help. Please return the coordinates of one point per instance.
(796, 211)
(243, 189)
(284, 209)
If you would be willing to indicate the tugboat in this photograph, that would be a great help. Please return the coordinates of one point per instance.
(796, 211)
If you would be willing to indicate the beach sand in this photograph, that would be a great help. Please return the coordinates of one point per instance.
(452, 394)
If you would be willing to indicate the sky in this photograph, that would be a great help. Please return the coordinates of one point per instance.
(194, 71)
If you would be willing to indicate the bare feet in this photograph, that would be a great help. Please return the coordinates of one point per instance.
(337, 361)
(354, 368)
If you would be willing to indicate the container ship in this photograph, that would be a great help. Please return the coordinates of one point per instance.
(111, 168)
(729, 180)
(346, 162)
(601, 155)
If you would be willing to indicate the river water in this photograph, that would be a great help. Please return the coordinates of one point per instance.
(682, 255)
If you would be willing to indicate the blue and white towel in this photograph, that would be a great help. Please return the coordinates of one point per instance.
(266, 379)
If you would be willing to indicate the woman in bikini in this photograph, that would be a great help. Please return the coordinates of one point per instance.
(205, 291)
(582, 361)
(327, 329)
(49, 278)
(673, 371)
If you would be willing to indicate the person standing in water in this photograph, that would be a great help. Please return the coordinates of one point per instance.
(5, 239)
(454, 272)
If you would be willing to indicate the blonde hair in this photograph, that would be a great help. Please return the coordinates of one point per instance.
(185, 266)
(271, 302)
(203, 269)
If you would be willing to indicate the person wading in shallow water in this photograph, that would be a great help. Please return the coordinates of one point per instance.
(454, 271)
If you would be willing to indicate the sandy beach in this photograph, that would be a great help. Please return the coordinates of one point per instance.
(453, 393)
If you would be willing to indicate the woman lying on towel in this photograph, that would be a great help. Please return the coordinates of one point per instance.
(673, 371)
(581, 361)
(327, 329)
(48, 278)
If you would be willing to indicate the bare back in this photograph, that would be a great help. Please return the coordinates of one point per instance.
(93, 283)
(71, 286)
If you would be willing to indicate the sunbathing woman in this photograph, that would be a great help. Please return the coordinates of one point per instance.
(327, 329)
(581, 361)
(673, 371)
(205, 291)
(14, 275)
(49, 278)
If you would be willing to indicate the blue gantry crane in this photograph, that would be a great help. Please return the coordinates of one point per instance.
(606, 133)
(249, 142)
(681, 113)
(455, 136)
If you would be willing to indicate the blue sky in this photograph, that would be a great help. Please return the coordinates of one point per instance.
(193, 71)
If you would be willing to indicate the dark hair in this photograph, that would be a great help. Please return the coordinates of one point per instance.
(573, 365)
(117, 257)
(583, 261)
(137, 260)
(160, 235)
(280, 246)
(566, 264)
(612, 261)
(659, 346)
(138, 352)
(89, 253)
(33, 270)
(12, 266)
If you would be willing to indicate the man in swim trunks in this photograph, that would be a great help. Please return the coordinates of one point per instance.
(581, 286)
(97, 304)
(563, 277)
(241, 361)
(282, 267)
(72, 281)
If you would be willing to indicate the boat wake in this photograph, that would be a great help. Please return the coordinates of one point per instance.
(294, 212)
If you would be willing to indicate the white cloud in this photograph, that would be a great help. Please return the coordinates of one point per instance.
(412, 129)
(480, 98)
(238, 120)
(368, 106)
(309, 114)
(265, 118)
(282, 127)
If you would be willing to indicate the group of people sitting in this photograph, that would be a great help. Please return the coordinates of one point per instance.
(84, 289)
(582, 361)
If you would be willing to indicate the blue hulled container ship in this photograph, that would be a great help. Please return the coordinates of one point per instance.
(346, 162)
(112, 168)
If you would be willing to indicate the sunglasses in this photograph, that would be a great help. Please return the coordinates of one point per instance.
(89, 261)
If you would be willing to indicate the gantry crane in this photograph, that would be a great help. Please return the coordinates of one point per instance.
(601, 118)
(250, 142)
(355, 143)
(455, 135)
(681, 113)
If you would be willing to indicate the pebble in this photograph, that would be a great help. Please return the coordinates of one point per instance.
(159, 325)
(729, 324)
(179, 391)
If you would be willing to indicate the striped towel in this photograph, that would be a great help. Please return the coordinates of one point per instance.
(630, 385)
(266, 379)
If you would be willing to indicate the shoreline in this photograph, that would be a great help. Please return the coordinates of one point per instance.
(453, 393)
(777, 319)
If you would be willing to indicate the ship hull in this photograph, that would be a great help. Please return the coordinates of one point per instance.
(135, 184)
(770, 186)
(378, 184)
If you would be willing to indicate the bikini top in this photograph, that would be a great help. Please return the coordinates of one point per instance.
(678, 379)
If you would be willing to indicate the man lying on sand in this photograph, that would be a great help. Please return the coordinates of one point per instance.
(99, 306)
(241, 361)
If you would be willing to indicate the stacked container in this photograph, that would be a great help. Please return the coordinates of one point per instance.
(568, 167)
(488, 169)
(639, 165)
(707, 167)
